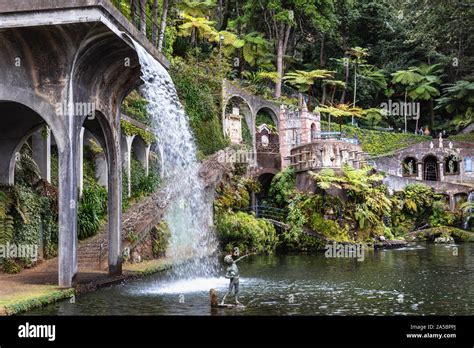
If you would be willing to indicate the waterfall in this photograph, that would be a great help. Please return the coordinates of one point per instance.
(189, 213)
(470, 199)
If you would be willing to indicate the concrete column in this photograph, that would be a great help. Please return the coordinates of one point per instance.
(147, 161)
(81, 162)
(114, 209)
(420, 171)
(41, 152)
(67, 264)
(441, 171)
(101, 169)
(126, 148)
(142, 151)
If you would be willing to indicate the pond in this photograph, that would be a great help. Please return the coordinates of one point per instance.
(423, 279)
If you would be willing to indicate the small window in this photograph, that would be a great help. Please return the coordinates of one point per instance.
(467, 164)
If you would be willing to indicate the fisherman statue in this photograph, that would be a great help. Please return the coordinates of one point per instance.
(232, 273)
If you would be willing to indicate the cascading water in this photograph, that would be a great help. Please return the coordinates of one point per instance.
(189, 213)
(470, 199)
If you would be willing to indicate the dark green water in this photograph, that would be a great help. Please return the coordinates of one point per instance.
(419, 280)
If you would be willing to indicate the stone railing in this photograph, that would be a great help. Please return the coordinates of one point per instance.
(327, 154)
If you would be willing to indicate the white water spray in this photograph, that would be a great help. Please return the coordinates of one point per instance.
(189, 213)
(470, 199)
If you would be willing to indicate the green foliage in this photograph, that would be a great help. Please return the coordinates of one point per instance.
(442, 216)
(246, 232)
(136, 107)
(283, 187)
(6, 220)
(380, 142)
(130, 129)
(10, 266)
(91, 210)
(199, 90)
(26, 170)
(143, 185)
(161, 237)
(235, 194)
(366, 201)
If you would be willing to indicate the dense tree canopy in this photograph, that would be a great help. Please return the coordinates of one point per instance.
(406, 51)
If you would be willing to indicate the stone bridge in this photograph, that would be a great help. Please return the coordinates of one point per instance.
(52, 60)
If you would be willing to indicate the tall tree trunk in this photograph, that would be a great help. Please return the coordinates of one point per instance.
(282, 43)
(323, 98)
(405, 109)
(333, 94)
(321, 52)
(225, 16)
(355, 89)
(279, 67)
(346, 79)
(164, 16)
(143, 16)
(133, 12)
(154, 16)
(432, 114)
(417, 121)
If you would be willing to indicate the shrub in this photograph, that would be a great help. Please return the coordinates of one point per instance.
(283, 186)
(10, 266)
(246, 232)
(92, 209)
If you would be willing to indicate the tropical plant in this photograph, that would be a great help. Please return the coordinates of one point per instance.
(91, 210)
(304, 80)
(340, 111)
(196, 8)
(408, 79)
(358, 54)
(283, 187)
(334, 85)
(245, 231)
(196, 27)
(457, 97)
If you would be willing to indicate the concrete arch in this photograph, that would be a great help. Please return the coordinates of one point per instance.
(270, 112)
(430, 154)
(114, 190)
(31, 113)
(142, 151)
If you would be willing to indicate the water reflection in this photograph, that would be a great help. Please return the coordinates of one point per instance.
(419, 280)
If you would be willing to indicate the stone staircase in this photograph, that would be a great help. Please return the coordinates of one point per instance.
(92, 253)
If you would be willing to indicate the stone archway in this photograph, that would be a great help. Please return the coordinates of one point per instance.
(430, 168)
(237, 104)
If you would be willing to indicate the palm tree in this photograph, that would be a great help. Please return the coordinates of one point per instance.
(457, 97)
(374, 115)
(196, 27)
(407, 78)
(340, 111)
(334, 85)
(196, 8)
(304, 80)
(357, 53)
(425, 90)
